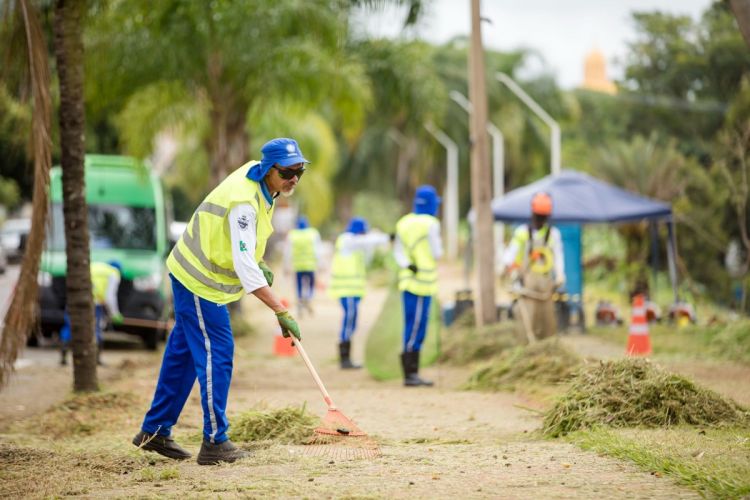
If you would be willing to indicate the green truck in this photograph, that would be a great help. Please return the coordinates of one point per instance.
(128, 222)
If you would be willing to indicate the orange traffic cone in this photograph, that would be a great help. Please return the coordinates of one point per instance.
(639, 343)
(283, 346)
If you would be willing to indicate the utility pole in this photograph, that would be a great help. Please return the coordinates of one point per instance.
(481, 190)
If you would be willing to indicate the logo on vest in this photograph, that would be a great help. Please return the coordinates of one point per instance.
(243, 247)
(243, 221)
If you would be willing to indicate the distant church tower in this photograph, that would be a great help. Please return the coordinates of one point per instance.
(595, 74)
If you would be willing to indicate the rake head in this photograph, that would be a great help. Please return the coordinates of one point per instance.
(339, 437)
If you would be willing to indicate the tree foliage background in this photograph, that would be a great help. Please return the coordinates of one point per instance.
(220, 77)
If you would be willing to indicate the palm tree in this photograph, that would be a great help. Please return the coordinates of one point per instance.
(24, 18)
(68, 28)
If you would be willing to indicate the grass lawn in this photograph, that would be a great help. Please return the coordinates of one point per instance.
(714, 461)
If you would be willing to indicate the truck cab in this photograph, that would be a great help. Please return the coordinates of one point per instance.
(128, 223)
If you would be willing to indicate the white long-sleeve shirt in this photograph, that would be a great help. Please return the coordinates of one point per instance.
(243, 223)
(436, 246)
(110, 298)
(366, 243)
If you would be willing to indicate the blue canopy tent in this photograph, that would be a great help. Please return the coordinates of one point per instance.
(578, 198)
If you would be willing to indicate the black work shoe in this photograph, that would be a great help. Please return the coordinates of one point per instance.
(162, 445)
(346, 364)
(414, 380)
(213, 453)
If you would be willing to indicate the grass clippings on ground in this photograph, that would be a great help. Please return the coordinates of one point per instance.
(465, 343)
(632, 393)
(83, 414)
(542, 363)
(714, 461)
(289, 425)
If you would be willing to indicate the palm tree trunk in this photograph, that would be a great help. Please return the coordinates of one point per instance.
(21, 315)
(228, 146)
(68, 29)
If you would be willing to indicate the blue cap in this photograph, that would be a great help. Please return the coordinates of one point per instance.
(357, 225)
(426, 200)
(282, 151)
(302, 222)
(116, 264)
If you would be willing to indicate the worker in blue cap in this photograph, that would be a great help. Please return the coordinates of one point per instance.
(354, 249)
(218, 260)
(302, 254)
(416, 250)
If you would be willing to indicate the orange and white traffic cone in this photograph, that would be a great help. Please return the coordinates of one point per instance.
(283, 346)
(639, 343)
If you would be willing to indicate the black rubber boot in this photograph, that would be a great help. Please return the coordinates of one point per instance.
(64, 355)
(410, 365)
(213, 453)
(160, 444)
(344, 353)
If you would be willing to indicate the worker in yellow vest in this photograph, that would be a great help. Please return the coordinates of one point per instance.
(535, 255)
(218, 260)
(105, 283)
(303, 250)
(354, 249)
(416, 250)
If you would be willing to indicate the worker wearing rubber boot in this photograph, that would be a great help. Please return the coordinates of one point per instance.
(416, 250)
(303, 252)
(354, 248)
(535, 256)
(217, 260)
(105, 283)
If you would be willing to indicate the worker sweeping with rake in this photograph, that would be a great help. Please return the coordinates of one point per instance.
(219, 259)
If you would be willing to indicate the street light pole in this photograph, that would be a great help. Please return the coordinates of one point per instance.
(498, 165)
(451, 189)
(546, 118)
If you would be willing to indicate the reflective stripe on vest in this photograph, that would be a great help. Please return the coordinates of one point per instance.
(303, 248)
(202, 258)
(348, 272)
(413, 232)
(100, 275)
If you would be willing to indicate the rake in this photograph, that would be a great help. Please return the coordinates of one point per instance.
(337, 436)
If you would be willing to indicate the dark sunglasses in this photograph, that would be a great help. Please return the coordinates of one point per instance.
(288, 173)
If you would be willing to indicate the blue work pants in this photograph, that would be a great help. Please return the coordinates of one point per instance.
(416, 316)
(349, 323)
(200, 345)
(305, 285)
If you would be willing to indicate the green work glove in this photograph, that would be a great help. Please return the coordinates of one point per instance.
(117, 319)
(267, 273)
(288, 325)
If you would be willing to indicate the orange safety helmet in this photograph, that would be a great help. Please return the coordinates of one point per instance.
(541, 204)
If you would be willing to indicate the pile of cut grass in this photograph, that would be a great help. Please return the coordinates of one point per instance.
(542, 363)
(84, 414)
(465, 343)
(633, 392)
(289, 425)
(733, 342)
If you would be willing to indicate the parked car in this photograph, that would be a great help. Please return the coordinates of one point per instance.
(13, 236)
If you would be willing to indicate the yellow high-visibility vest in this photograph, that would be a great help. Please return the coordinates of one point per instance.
(303, 248)
(348, 272)
(202, 258)
(100, 275)
(538, 255)
(413, 231)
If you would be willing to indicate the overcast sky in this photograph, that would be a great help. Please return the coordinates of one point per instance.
(563, 31)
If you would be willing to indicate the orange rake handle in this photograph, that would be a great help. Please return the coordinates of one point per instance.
(314, 373)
